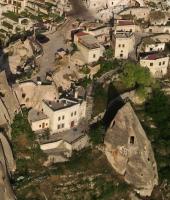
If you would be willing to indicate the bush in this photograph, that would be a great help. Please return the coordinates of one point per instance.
(97, 134)
(107, 65)
(135, 76)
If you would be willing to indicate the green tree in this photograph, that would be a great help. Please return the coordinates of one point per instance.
(134, 75)
(108, 53)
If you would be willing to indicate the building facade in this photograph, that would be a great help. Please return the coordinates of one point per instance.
(124, 44)
(157, 64)
(64, 113)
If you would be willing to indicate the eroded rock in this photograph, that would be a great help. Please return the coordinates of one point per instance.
(129, 151)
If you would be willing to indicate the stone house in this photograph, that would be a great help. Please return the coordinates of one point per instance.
(64, 113)
(100, 31)
(150, 45)
(38, 120)
(157, 63)
(123, 25)
(89, 47)
(58, 151)
(123, 44)
(61, 150)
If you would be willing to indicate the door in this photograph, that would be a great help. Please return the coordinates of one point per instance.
(72, 124)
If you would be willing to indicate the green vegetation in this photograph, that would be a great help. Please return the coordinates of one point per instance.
(85, 69)
(108, 54)
(6, 24)
(27, 151)
(107, 65)
(56, 18)
(135, 76)
(156, 115)
(100, 99)
(11, 15)
(74, 48)
(96, 134)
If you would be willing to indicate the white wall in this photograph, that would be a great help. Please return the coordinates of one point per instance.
(159, 67)
(90, 55)
(40, 125)
(124, 46)
(154, 47)
(63, 119)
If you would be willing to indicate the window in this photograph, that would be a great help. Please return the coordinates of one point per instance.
(62, 125)
(59, 126)
(151, 64)
(72, 114)
(59, 118)
(94, 55)
(159, 63)
(23, 95)
(123, 45)
(132, 139)
(63, 117)
(40, 126)
(46, 124)
(75, 113)
(163, 63)
(121, 55)
(119, 45)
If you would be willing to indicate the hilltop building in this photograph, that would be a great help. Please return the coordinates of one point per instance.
(157, 63)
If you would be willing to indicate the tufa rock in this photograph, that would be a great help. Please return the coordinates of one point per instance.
(129, 151)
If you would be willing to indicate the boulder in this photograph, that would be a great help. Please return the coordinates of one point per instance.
(129, 151)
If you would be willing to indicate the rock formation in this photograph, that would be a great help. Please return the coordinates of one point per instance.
(18, 53)
(129, 151)
(9, 105)
(7, 165)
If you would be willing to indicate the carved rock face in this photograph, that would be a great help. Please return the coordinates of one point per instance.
(129, 151)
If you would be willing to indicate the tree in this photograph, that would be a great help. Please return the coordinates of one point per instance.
(135, 76)
(108, 53)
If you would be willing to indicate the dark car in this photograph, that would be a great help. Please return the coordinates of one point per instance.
(42, 38)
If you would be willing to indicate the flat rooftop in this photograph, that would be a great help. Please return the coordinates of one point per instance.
(89, 42)
(60, 104)
(35, 115)
(123, 34)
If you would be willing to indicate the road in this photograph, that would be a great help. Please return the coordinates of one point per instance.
(56, 40)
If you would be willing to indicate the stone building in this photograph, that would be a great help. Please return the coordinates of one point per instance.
(123, 25)
(38, 120)
(64, 113)
(157, 63)
(123, 44)
(89, 47)
(129, 151)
